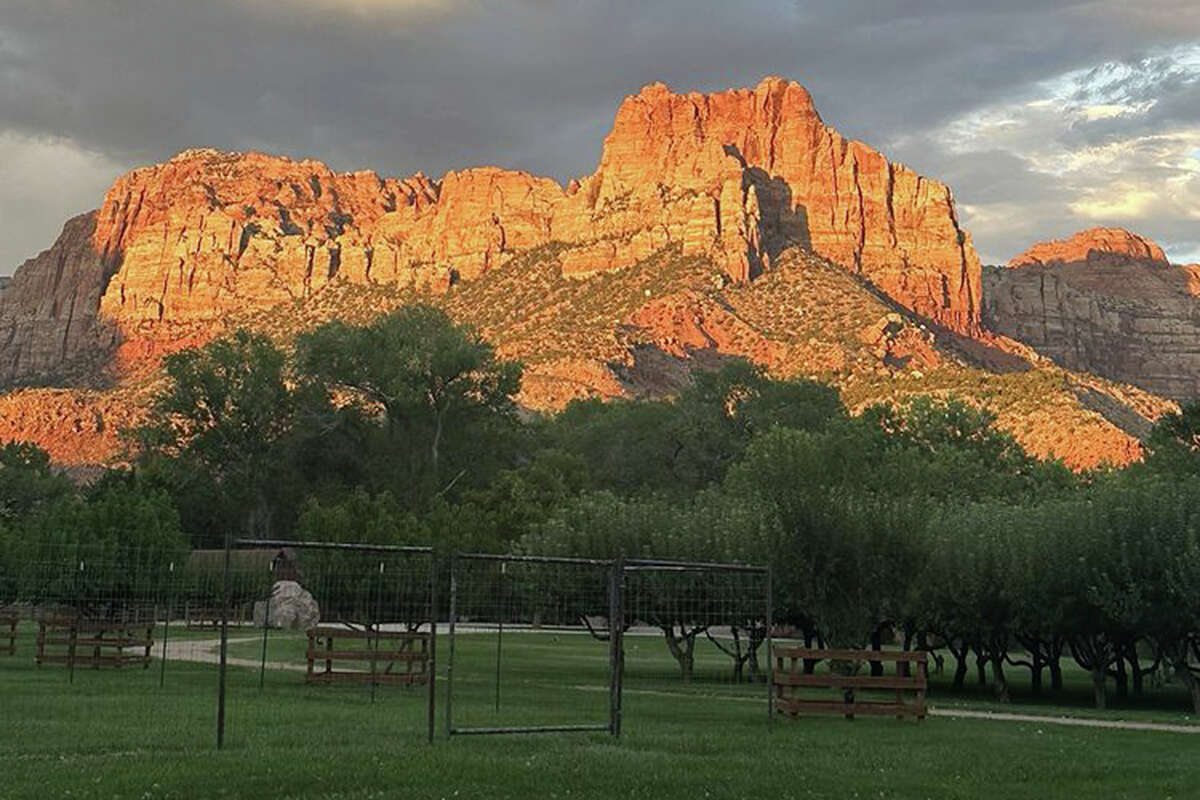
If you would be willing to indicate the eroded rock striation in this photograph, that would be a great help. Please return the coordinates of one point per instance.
(734, 177)
(1104, 301)
(757, 170)
(48, 312)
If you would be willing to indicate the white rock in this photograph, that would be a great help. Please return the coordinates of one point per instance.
(292, 607)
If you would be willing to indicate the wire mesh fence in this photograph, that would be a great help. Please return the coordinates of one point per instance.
(316, 634)
(337, 624)
(87, 626)
(694, 629)
(310, 630)
(530, 648)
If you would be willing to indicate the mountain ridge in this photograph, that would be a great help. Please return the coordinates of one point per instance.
(624, 281)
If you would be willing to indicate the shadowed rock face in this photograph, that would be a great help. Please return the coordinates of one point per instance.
(734, 177)
(48, 318)
(1104, 301)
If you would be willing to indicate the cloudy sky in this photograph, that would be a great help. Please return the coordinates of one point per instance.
(1044, 116)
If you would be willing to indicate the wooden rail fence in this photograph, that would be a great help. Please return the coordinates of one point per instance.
(8, 632)
(795, 677)
(94, 643)
(209, 619)
(381, 651)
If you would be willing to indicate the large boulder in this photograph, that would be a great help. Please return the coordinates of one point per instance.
(291, 607)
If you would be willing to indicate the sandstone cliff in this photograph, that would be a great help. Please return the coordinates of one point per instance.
(1093, 246)
(714, 226)
(757, 170)
(734, 177)
(48, 313)
(1105, 301)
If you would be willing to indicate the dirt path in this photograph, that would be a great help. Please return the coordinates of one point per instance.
(1082, 722)
(208, 651)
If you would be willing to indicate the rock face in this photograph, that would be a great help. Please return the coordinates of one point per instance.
(48, 313)
(291, 608)
(1104, 301)
(1093, 246)
(751, 171)
(734, 177)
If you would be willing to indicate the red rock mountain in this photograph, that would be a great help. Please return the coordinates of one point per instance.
(736, 176)
(1093, 246)
(1105, 301)
(735, 223)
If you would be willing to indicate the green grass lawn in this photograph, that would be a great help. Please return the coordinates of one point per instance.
(119, 735)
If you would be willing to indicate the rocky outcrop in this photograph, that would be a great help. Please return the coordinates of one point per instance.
(747, 172)
(1105, 301)
(48, 319)
(733, 177)
(1093, 246)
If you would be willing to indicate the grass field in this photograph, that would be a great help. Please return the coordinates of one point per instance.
(119, 735)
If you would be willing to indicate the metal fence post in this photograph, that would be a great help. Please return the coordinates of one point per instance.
(225, 600)
(378, 632)
(432, 666)
(162, 667)
(499, 631)
(770, 647)
(262, 667)
(616, 644)
(450, 662)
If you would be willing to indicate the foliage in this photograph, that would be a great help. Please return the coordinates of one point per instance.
(27, 480)
(438, 391)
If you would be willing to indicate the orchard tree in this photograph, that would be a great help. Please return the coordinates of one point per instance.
(27, 481)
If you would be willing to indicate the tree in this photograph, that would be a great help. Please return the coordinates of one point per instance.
(681, 604)
(441, 396)
(27, 480)
(351, 585)
(223, 415)
(107, 556)
(1173, 445)
(961, 453)
(678, 447)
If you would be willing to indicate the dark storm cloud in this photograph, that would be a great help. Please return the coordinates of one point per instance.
(402, 85)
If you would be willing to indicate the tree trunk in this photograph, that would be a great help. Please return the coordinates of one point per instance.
(1056, 679)
(756, 639)
(960, 666)
(999, 682)
(1035, 675)
(1191, 681)
(684, 653)
(980, 668)
(1121, 676)
(906, 646)
(1099, 674)
(876, 644)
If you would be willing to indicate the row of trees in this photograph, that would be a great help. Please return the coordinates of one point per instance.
(919, 521)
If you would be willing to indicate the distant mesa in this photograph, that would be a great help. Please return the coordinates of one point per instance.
(1094, 246)
(1104, 301)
